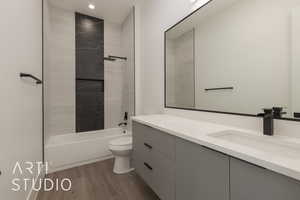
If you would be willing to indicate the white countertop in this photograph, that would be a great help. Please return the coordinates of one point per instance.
(199, 132)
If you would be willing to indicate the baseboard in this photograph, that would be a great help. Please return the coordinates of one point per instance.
(32, 195)
(78, 164)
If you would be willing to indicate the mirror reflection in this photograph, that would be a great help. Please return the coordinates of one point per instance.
(236, 56)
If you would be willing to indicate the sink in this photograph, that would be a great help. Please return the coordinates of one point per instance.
(264, 144)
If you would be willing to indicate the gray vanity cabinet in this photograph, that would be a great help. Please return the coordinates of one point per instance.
(154, 159)
(200, 173)
(249, 182)
(177, 169)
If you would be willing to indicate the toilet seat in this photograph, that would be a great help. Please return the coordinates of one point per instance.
(121, 144)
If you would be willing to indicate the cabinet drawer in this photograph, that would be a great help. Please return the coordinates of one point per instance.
(142, 142)
(144, 170)
(147, 139)
(159, 173)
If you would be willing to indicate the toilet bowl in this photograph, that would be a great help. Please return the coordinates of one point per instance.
(121, 149)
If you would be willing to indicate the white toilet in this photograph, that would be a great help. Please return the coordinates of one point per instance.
(121, 148)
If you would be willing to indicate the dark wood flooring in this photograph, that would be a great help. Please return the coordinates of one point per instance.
(97, 182)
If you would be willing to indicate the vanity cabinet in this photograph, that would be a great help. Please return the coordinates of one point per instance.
(196, 173)
(154, 159)
(177, 169)
(250, 182)
(200, 173)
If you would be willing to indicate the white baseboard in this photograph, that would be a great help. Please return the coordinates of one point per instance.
(78, 164)
(32, 195)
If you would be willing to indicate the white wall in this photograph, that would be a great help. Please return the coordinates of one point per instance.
(156, 17)
(243, 47)
(20, 98)
(59, 71)
(138, 58)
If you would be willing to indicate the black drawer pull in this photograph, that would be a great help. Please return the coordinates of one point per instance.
(148, 166)
(148, 145)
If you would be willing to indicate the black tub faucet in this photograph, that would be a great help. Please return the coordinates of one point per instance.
(122, 124)
(268, 117)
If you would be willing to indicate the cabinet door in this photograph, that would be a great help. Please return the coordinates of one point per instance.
(163, 176)
(200, 173)
(249, 182)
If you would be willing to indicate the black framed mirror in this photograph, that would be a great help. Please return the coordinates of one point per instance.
(236, 57)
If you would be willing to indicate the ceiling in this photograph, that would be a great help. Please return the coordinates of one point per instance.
(111, 10)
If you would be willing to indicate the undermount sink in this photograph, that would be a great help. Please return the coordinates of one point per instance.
(264, 144)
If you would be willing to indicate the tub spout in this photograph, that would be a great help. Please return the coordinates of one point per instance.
(122, 124)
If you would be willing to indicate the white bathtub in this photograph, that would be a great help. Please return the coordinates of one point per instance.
(71, 150)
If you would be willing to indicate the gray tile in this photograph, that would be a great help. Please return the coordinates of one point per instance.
(89, 65)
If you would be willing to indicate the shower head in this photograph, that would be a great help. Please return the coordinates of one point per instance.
(109, 59)
(118, 57)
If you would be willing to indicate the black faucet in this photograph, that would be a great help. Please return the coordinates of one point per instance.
(123, 124)
(278, 112)
(268, 117)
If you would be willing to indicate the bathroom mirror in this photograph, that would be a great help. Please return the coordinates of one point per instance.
(236, 57)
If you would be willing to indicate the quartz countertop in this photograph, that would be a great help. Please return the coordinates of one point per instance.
(200, 132)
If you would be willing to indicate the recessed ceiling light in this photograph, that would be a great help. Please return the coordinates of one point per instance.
(193, 1)
(199, 3)
(202, 2)
(92, 6)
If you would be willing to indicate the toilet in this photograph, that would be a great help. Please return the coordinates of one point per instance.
(121, 149)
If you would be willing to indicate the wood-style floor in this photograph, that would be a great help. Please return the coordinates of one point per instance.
(97, 182)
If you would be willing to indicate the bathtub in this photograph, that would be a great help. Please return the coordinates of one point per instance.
(76, 149)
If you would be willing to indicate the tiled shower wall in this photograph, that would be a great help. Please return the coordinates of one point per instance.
(128, 50)
(114, 76)
(59, 71)
(60, 86)
(89, 73)
(119, 75)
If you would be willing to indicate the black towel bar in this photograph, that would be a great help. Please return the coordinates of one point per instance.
(222, 88)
